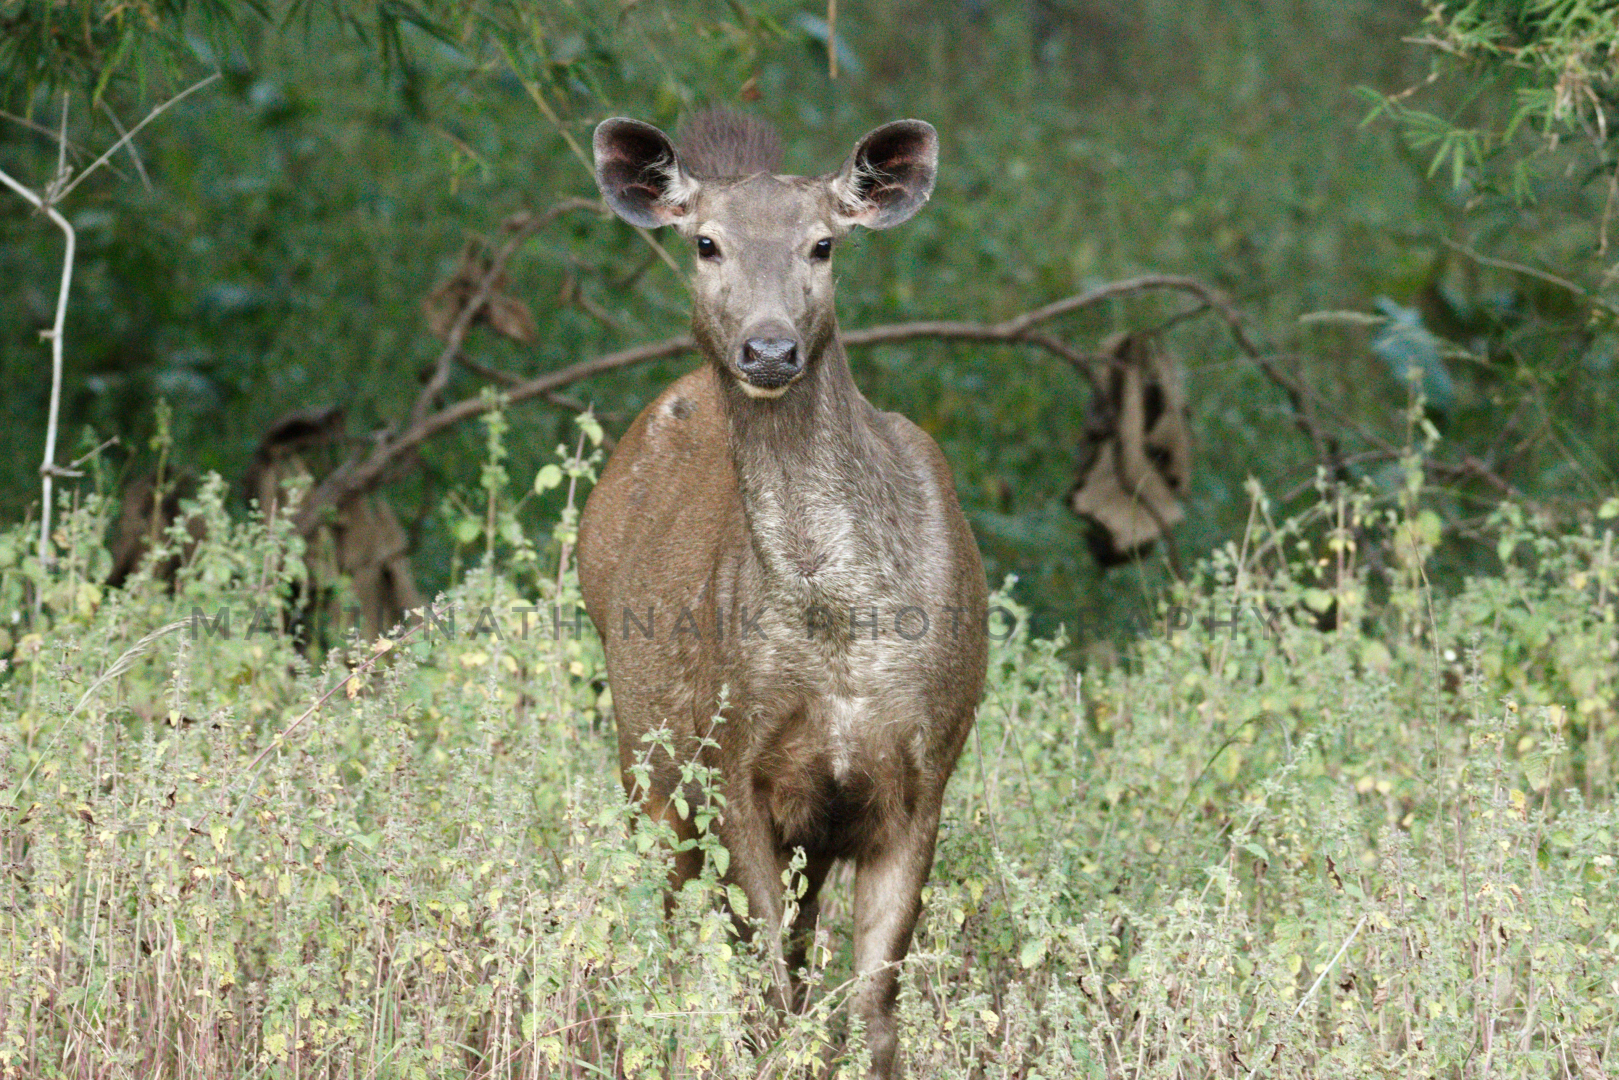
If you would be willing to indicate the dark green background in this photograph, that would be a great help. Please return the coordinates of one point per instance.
(303, 207)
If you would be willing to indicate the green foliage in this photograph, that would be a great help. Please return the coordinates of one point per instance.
(49, 47)
(302, 207)
(1253, 847)
(1555, 58)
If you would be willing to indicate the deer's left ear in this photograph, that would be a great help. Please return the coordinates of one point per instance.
(889, 176)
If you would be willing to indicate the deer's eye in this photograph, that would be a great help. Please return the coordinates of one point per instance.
(822, 249)
(707, 248)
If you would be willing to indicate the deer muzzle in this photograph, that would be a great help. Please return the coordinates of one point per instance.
(769, 365)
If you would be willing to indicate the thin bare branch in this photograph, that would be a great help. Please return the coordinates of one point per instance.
(1020, 327)
(506, 378)
(41, 129)
(1298, 398)
(1530, 271)
(537, 95)
(134, 153)
(365, 472)
(832, 39)
(157, 111)
(574, 293)
(55, 191)
(992, 333)
(111, 440)
(61, 150)
(357, 476)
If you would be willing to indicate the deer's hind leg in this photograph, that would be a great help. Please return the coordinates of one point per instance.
(688, 857)
(660, 804)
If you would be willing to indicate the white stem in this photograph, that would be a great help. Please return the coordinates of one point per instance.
(56, 192)
(1348, 941)
(1310, 993)
(48, 468)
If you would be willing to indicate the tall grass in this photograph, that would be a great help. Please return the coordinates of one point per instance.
(1252, 848)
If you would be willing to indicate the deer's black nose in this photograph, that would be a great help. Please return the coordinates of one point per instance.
(770, 363)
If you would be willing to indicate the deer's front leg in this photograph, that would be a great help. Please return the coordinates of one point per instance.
(752, 843)
(887, 902)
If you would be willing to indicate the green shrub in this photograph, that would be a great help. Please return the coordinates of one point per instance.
(1254, 847)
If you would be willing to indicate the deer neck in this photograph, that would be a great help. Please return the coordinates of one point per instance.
(810, 467)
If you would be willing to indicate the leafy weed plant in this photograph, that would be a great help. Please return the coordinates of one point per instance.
(1254, 847)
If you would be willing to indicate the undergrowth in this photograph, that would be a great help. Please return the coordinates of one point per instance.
(1321, 821)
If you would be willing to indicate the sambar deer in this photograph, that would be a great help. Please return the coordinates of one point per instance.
(767, 548)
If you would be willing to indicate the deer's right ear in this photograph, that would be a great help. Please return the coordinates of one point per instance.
(640, 174)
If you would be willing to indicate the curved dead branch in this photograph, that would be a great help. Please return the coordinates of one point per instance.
(521, 226)
(367, 470)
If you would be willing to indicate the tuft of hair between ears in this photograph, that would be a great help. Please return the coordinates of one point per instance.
(720, 142)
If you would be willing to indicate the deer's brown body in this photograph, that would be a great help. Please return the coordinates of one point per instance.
(767, 547)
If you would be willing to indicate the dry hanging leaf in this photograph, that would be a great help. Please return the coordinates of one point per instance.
(508, 316)
(1137, 455)
(511, 318)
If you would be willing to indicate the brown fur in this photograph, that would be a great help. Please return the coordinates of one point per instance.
(745, 508)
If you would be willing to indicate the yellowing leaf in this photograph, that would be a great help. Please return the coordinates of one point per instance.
(547, 478)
